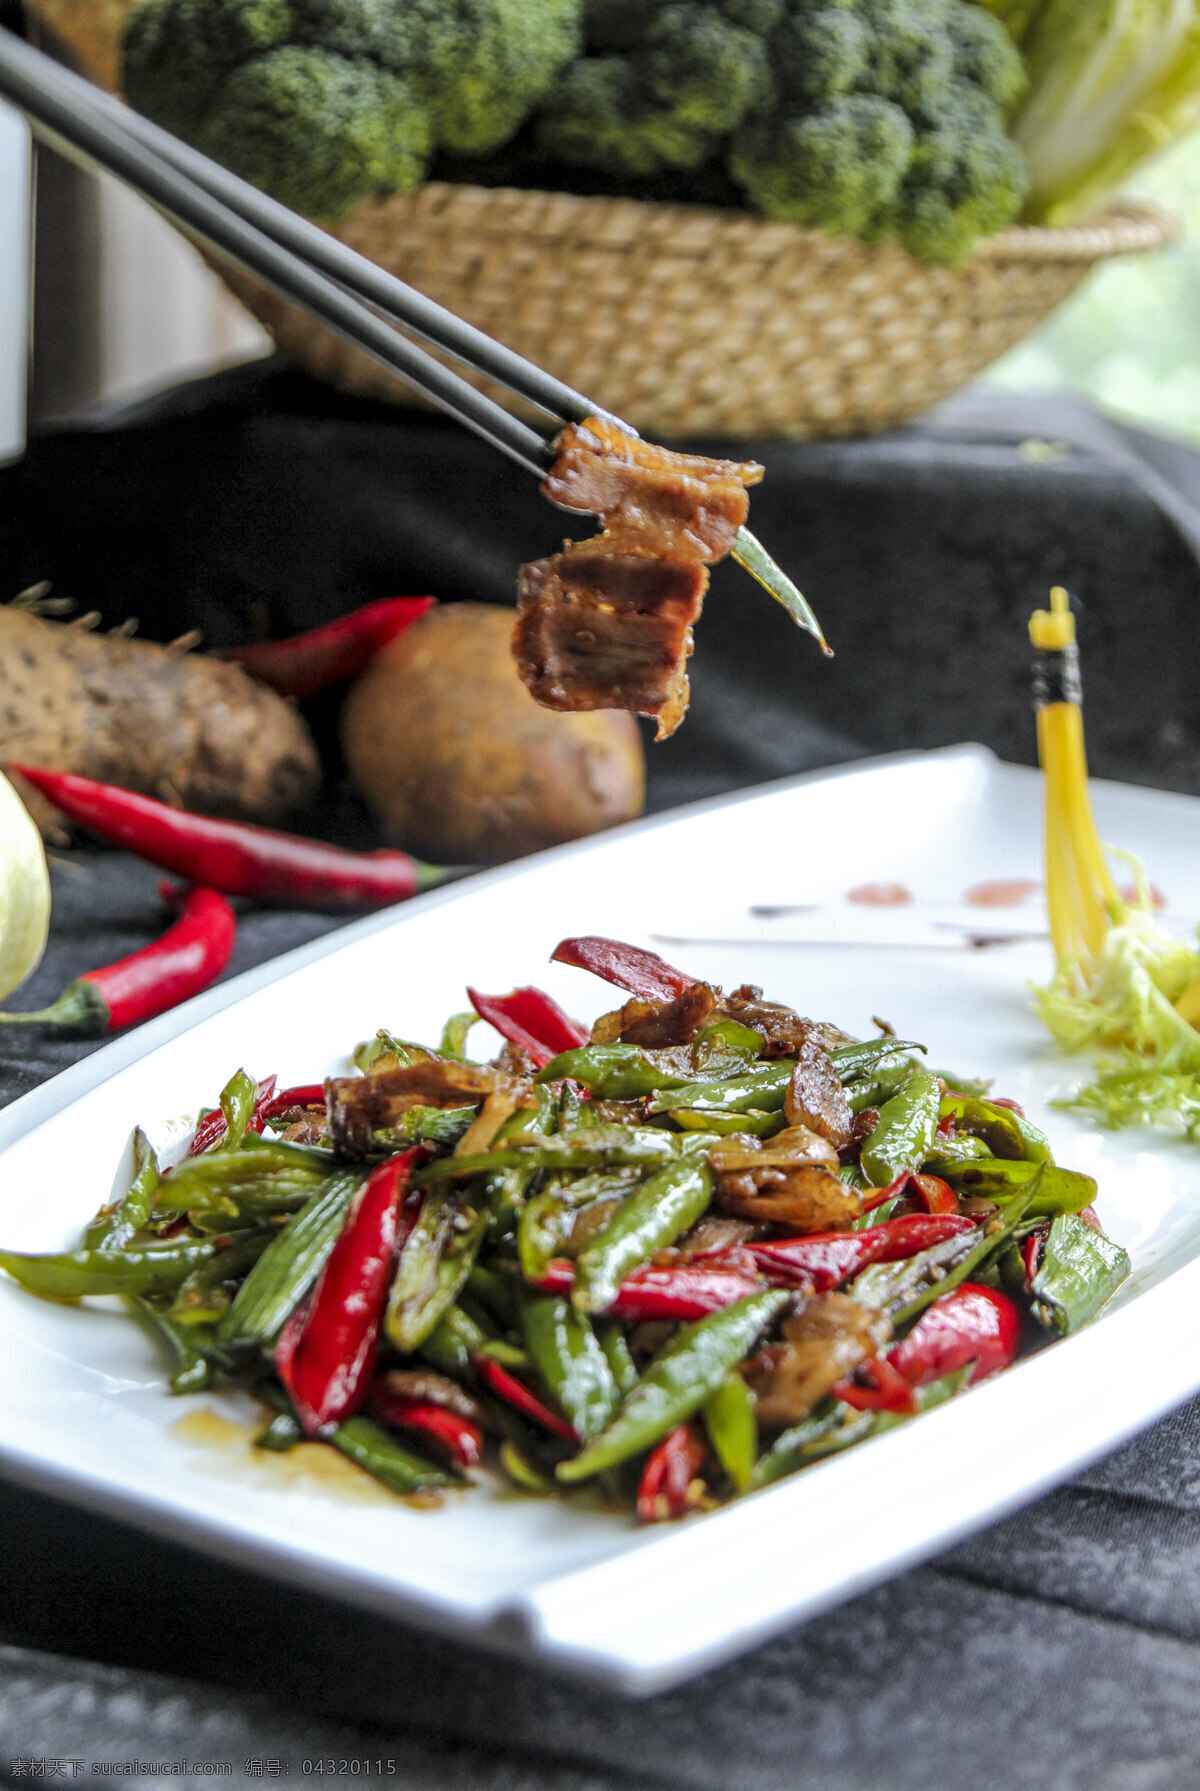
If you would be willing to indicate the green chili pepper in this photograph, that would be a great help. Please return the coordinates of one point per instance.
(964, 1085)
(1002, 1179)
(385, 1044)
(204, 1297)
(990, 1245)
(878, 1215)
(615, 1072)
(605, 1147)
(880, 1088)
(289, 1265)
(499, 1294)
(762, 1088)
(434, 1262)
(962, 1147)
(696, 1119)
(906, 1130)
(189, 1345)
(452, 1342)
(1079, 1272)
(652, 1217)
(522, 1472)
(729, 1418)
(453, 1042)
(853, 1062)
(238, 1100)
(617, 1351)
(280, 1435)
(678, 1381)
(1006, 1134)
(726, 1038)
(891, 1285)
(796, 1447)
(73, 1274)
(543, 1225)
(370, 1446)
(273, 1175)
(569, 1358)
(113, 1228)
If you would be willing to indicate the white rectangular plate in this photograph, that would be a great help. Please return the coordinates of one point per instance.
(84, 1410)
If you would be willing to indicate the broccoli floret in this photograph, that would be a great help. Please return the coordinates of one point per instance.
(321, 102)
(838, 169)
(889, 123)
(666, 103)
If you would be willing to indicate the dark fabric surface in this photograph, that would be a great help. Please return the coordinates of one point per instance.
(1058, 1650)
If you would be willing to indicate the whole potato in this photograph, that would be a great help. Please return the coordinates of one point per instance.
(459, 763)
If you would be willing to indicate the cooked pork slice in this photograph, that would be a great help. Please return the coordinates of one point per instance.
(804, 1197)
(825, 1341)
(816, 1098)
(783, 1029)
(683, 506)
(597, 630)
(657, 1025)
(358, 1106)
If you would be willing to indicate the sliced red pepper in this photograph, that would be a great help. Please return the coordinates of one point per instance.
(1003, 1101)
(513, 1392)
(643, 973)
(308, 1094)
(935, 1195)
(305, 663)
(326, 1352)
(824, 1259)
(1031, 1252)
(689, 1291)
(669, 1471)
(455, 1437)
(969, 1324)
(532, 1019)
(885, 1391)
(1091, 1218)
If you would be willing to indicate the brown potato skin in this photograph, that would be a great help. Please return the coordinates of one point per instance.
(193, 731)
(459, 763)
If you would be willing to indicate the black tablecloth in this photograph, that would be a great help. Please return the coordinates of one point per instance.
(1057, 1650)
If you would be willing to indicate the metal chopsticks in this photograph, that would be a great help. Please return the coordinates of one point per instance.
(361, 301)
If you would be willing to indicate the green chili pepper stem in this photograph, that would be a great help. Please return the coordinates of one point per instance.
(678, 1381)
(651, 1218)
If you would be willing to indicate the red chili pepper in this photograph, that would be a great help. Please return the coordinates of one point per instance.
(1003, 1101)
(643, 973)
(280, 870)
(513, 1392)
(531, 1019)
(1091, 1218)
(969, 1324)
(306, 663)
(454, 1437)
(685, 1292)
(1031, 1251)
(326, 1352)
(670, 1469)
(886, 1391)
(934, 1194)
(212, 1126)
(823, 1259)
(189, 956)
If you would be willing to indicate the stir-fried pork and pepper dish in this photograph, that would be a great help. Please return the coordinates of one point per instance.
(674, 1257)
(607, 623)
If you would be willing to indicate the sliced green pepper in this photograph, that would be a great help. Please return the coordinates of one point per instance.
(853, 1062)
(238, 1100)
(568, 1356)
(190, 1346)
(698, 1119)
(452, 1343)
(762, 1088)
(290, 1265)
(678, 1381)
(906, 1130)
(614, 1072)
(453, 1042)
(651, 1218)
(1002, 1179)
(113, 1228)
(1005, 1132)
(204, 1297)
(271, 1174)
(1080, 1270)
(73, 1274)
(620, 1359)
(604, 1147)
(434, 1262)
(729, 1418)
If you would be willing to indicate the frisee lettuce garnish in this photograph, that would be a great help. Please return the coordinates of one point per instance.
(1125, 1012)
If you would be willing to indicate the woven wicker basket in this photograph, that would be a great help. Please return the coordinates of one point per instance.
(685, 321)
(698, 322)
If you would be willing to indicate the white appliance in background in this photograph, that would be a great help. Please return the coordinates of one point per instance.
(16, 270)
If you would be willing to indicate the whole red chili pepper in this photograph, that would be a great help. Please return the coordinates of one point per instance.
(669, 1471)
(455, 1437)
(280, 870)
(969, 1324)
(513, 1392)
(686, 1291)
(823, 1259)
(306, 663)
(326, 1352)
(532, 1019)
(643, 973)
(268, 1106)
(191, 954)
(880, 1388)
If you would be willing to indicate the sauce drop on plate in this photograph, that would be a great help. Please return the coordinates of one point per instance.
(1003, 892)
(880, 895)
